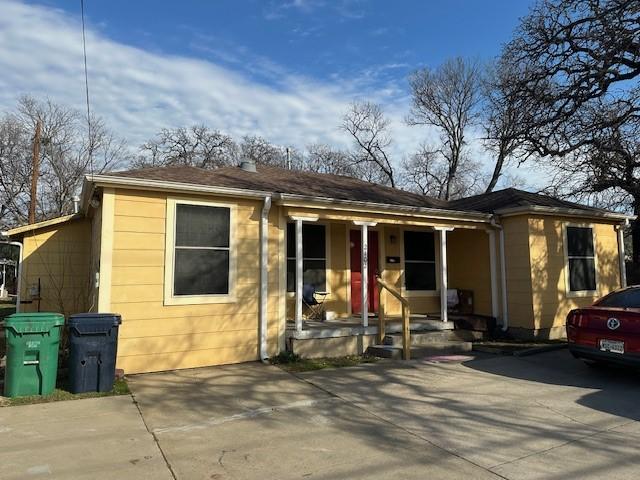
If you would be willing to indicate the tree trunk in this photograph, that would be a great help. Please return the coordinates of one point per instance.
(497, 171)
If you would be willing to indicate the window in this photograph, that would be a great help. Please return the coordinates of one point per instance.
(581, 259)
(629, 298)
(198, 252)
(419, 261)
(314, 256)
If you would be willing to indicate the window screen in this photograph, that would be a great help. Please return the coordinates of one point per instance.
(314, 260)
(582, 265)
(419, 261)
(201, 257)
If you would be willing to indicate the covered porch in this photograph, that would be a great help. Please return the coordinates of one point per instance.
(437, 271)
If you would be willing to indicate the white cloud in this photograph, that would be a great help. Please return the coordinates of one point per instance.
(138, 92)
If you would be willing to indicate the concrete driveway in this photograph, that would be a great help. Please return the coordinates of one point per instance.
(545, 416)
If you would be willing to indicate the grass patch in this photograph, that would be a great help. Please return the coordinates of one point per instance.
(120, 387)
(293, 363)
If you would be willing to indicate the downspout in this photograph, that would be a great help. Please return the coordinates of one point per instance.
(264, 277)
(503, 275)
(621, 255)
(19, 276)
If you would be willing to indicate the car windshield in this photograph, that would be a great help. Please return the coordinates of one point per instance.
(629, 298)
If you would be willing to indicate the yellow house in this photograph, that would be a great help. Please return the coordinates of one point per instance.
(211, 267)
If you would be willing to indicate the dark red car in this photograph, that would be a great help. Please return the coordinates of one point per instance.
(609, 330)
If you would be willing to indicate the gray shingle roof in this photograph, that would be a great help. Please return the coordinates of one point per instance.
(280, 180)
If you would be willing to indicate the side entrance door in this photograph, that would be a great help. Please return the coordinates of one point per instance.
(356, 271)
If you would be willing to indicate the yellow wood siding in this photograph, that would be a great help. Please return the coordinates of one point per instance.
(551, 303)
(155, 336)
(58, 256)
(469, 267)
(518, 271)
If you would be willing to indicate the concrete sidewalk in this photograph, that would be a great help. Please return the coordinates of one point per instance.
(99, 438)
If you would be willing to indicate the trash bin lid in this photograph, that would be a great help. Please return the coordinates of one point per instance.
(37, 322)
(93, 323)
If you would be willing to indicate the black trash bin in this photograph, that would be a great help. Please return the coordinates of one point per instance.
(93, 344)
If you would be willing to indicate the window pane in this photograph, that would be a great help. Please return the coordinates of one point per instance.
(291, 275)
(201, 272)
(419, 246)
(625, 299)
(202, 226)
(579, 242)
(315, 274)
(582, 274)
(291, 239)
(313, 241)
(420, 276)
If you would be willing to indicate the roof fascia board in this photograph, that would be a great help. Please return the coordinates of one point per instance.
(566, 212)
(290, 200)
(43, 224)
(162, 185)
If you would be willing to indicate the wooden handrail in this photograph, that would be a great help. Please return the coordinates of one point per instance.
(406, 316)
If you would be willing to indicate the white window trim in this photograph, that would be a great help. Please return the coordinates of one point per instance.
(327, 255)
(436, 244)
(169, 260)
(579, 293)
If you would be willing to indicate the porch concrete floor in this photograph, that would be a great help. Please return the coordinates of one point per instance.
(545, 416)
(340, 327)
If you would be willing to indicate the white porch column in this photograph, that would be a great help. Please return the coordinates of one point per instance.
(299, 272)
(444, 314)
(364, 258)
(623, 266)
(298, 317)
(493, 266)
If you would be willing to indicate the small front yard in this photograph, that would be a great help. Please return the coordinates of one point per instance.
(120, 387)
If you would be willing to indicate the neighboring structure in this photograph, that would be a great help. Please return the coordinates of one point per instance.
(207, 266)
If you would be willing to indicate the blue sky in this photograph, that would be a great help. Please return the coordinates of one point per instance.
(285, 70)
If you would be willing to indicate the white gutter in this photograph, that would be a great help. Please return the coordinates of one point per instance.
(19, 276)
(163, 185)
(264, 277)
(566, 212)
(503, 276)
(291, 200)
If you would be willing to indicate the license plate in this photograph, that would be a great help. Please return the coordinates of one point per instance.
(613, 346)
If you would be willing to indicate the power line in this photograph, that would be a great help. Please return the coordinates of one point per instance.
(86, 88)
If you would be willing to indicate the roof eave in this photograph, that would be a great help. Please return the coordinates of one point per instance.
(164, 185)
(292, 200)
(560, 211)
(43, 224)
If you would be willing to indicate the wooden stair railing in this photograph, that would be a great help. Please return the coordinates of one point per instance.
(406, 315)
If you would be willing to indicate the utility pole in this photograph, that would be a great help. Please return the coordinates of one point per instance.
(35, 162)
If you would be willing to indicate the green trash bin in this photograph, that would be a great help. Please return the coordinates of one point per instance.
(32, 353)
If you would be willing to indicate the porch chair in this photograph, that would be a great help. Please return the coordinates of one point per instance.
(314, 301)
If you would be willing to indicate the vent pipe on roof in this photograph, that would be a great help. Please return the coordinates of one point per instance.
(76, 203)
(248, 165)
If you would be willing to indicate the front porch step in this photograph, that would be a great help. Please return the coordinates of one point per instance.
(429, 338)
(421, 351)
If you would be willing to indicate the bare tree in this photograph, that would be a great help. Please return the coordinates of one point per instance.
(322, 158)
(263, 152)
(369, 128)
(447, 98)
(427, 172)
(578, 64)
(502, 119)
(196, 146)
(67, 153)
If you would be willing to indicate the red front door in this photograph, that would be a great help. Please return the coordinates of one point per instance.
(356, 271)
